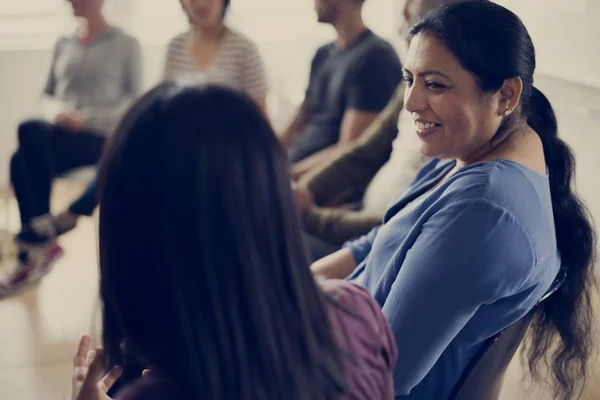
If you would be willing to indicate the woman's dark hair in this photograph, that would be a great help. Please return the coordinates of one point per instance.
(203, 272)
(493, 44)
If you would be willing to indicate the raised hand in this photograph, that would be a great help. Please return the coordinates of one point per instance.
(89, 380)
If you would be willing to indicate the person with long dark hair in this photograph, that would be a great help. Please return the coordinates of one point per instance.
(481, 233)
(203, 275)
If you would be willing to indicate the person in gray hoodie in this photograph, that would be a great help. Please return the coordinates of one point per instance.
(94, 75)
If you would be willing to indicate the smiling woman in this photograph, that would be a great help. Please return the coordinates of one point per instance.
(454, 119)
(481, 233)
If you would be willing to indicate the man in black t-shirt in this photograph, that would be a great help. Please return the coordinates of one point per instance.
(351, 81)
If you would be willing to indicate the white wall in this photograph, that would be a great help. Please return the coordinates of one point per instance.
(566, 35)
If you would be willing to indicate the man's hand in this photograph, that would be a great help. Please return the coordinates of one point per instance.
(73, 120)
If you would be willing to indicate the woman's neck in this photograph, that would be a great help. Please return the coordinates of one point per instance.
(493, 148)
(520, 144)
(210, 34)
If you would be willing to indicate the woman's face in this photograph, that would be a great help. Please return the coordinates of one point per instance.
(204, 13)
(453, 118)
(86, 8)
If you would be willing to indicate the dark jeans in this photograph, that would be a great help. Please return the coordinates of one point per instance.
(87, 202)
(45, 152)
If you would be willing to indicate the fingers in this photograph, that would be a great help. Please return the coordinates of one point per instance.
(96, 370)
(90, 356)
(96, 366)
(82, 351)
(109, 379)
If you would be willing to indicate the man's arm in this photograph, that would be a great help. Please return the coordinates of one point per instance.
(296, 124)
(354, 123)
(353, 169)
(369, 89)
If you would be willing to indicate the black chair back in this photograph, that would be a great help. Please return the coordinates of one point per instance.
(484, 377)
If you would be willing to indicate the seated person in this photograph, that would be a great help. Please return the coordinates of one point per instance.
(351, 81)
(212, 52)
(94, 75)
(217, 300)
(218, 54)
(374, 169)
(480, 234)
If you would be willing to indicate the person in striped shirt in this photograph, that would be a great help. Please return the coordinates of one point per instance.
(212, 52)
(209, 52)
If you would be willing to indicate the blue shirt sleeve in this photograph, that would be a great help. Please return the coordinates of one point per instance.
(361, 247)
(456, 264)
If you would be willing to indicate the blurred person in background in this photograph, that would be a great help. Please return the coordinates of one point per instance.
(351, 81)
(212, 52)
(94, 75)
(209, 51)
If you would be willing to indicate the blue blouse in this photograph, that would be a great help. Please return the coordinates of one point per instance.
(471, 257)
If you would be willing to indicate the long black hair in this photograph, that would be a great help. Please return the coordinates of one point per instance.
(493, 44)
(203, 272)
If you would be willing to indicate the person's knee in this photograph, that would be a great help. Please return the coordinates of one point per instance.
(16, 166)
(33, 129)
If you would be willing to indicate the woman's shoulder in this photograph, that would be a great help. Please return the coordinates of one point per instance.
(364, 338)
(353, 309)
(504, 183)
(179, 41)
(239, 39)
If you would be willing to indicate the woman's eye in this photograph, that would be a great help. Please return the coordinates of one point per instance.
(435, 86)
(409, 81)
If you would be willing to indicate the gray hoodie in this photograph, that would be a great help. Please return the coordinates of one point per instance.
(100, 79)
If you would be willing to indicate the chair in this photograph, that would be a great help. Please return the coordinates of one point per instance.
(484, 377)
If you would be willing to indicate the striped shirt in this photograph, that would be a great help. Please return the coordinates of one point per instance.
(237, 65)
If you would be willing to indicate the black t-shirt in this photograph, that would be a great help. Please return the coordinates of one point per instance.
(362, 76)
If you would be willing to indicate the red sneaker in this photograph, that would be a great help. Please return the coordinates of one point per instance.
(33, 266)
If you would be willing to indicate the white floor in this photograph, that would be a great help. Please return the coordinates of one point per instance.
(39, 328)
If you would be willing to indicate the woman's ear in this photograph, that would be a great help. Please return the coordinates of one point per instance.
(510, 94)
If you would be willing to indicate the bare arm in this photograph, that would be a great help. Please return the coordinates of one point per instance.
(354, 123)
(335, 266)
(296, 124)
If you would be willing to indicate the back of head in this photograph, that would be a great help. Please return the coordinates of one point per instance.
(203, 273)
(492, 43)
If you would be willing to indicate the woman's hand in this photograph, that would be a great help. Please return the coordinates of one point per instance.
(335, 266)
(89, 380)
(304, 198)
